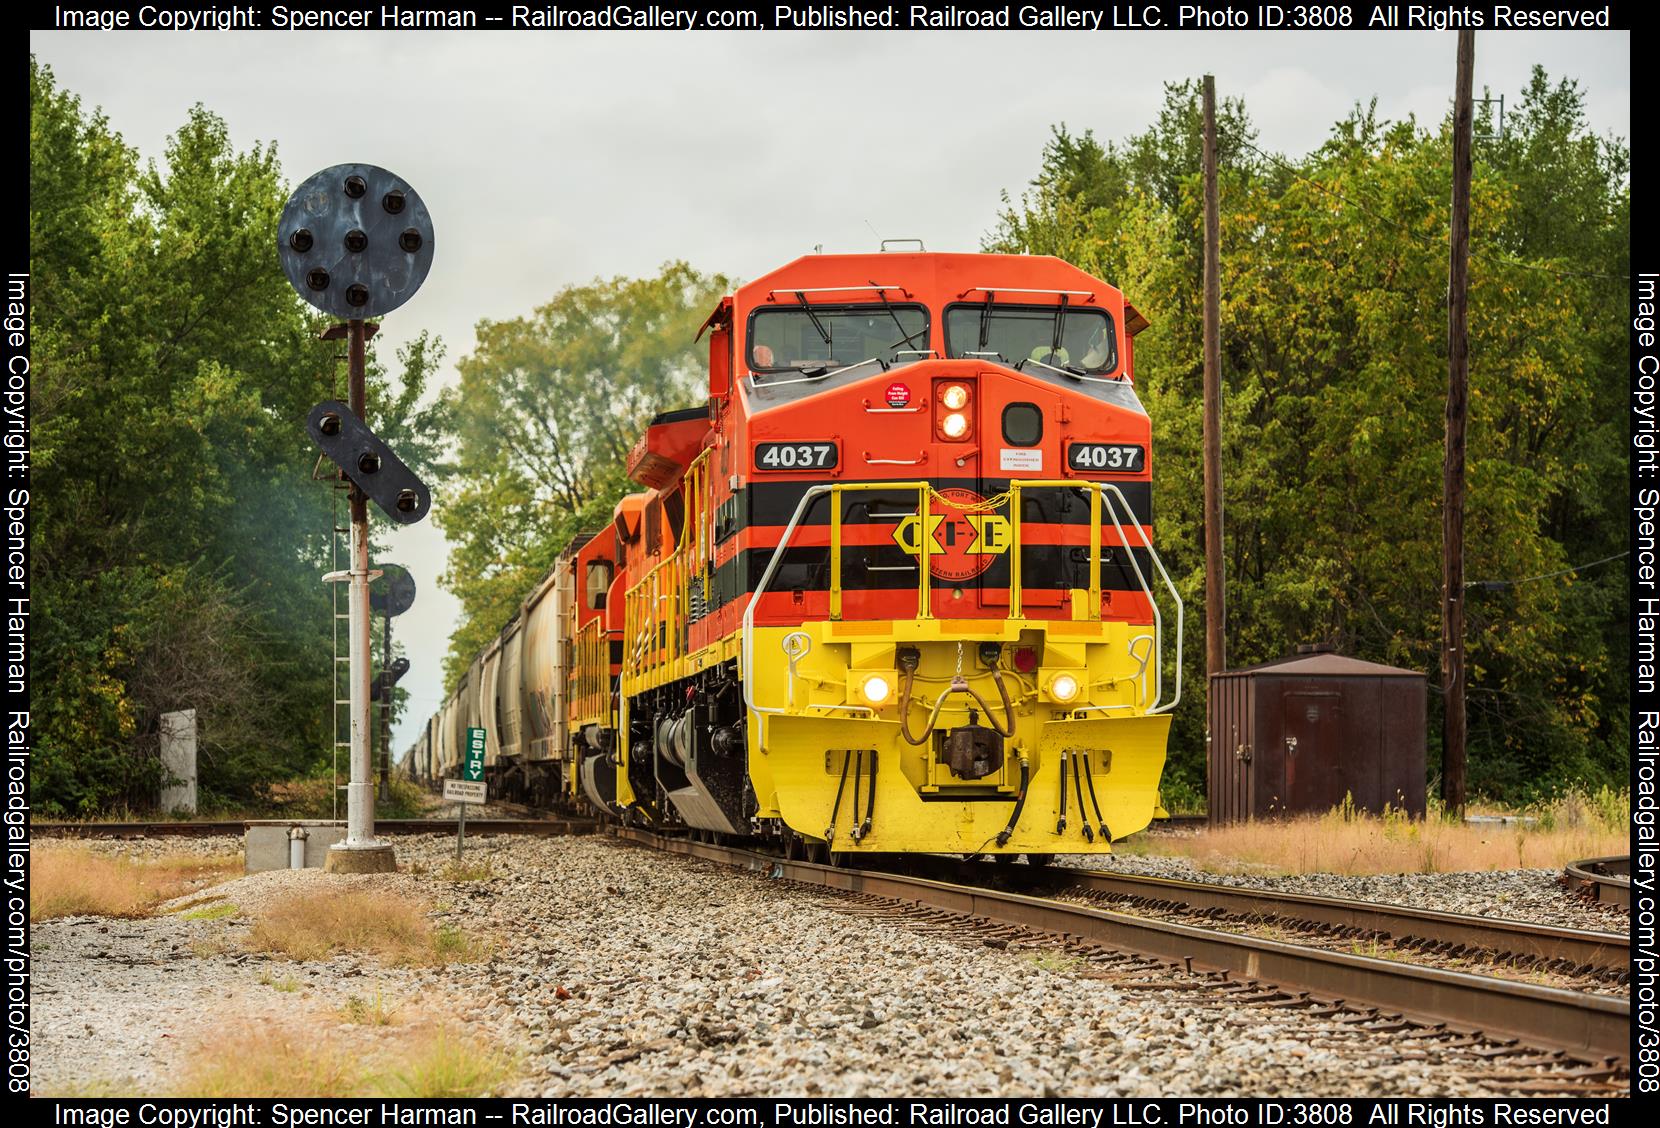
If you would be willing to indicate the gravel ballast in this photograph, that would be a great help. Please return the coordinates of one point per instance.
(620, 971)
(1537, 896)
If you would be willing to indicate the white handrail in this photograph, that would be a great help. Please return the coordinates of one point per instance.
(771, 294)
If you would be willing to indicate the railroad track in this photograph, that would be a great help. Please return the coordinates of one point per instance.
(1592, 1028)
(533, 827)
(1602, 879)
(1567, 951)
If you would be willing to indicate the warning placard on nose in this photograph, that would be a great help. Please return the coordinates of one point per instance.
(960, 542)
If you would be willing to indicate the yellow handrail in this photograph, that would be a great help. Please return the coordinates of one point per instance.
(657, 610)
(925, 496)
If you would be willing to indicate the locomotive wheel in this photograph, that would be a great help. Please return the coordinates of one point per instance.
(1039, 859)
(1004, 859)
(794, 848)
(818, 853)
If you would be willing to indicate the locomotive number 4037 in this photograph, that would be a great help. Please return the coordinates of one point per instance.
(795, 456)
(1120, 458)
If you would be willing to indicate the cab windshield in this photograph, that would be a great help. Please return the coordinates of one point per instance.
(811, 337)
(1071, 338)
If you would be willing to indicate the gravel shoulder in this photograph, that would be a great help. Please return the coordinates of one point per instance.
(619, 971)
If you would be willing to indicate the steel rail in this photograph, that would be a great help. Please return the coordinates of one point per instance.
(1494, 934)
(529, 827)
(1603, 879)
(1597, 1026)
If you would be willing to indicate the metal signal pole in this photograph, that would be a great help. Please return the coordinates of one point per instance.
(1216, 646)
(356, 242)
(360, 791)
(1453, 752)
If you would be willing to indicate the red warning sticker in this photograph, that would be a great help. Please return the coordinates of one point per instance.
(897, 395)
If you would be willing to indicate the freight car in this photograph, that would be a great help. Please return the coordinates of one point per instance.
(890, 588)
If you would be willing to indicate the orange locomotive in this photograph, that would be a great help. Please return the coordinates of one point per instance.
(892, 588)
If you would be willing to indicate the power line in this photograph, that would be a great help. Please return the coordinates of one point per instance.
(1497, 585)
(1403, 228)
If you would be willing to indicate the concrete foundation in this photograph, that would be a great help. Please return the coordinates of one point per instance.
(267, 843)
(374, 859)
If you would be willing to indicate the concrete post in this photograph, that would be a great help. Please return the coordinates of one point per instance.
(178, 759)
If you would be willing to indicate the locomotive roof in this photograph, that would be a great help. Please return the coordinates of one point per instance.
(961, 274)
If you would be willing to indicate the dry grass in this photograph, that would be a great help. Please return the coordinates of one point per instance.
(290, 1059)
(359, 1011)
(393, 928)
(481, 870)
(269, 1060)
(1346, 841)
(444, 1063)
(75, 881)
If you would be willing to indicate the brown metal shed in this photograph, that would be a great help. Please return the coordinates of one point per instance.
(1298, 734)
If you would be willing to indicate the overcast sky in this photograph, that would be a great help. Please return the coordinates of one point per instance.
(547, 159)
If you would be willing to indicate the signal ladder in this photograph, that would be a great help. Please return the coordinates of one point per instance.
(341, 683)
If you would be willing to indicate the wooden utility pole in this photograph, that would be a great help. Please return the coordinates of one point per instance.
(1458, 380)
(1216, 646)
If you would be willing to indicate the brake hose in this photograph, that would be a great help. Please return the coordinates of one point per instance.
(858, 770)
(1019, 802)
(830, 831)
(1083, 815)
(1060, 825)
(1106, 836)
(959, 684)
(870, 800)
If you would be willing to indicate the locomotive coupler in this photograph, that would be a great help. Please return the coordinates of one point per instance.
(973, 751)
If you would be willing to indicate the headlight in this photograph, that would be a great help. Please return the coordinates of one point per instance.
(876, 689)
(955, 397)
(955, 426)
(1063, 687)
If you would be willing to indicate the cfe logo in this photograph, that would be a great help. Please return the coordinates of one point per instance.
(960, 543)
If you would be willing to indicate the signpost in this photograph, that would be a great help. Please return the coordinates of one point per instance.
(470, 788)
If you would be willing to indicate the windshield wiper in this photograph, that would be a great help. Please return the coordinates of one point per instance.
(1060, 323)
(817, 324)
(1074, 373)
(985, 319)
(881, 296)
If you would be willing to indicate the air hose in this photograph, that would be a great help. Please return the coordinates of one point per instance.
(1060, 825)
(870, 801)
(1106, 835)
(858, 770)
(835, 810)
(1077, 786)
(959, 684)
(1019, 802)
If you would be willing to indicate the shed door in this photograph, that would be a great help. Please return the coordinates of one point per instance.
(1311, 728)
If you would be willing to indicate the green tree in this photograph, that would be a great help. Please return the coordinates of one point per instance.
(547, 410)
(1333, 343)
(177, 541)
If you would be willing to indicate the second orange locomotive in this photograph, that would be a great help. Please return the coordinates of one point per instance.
(891, 588)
